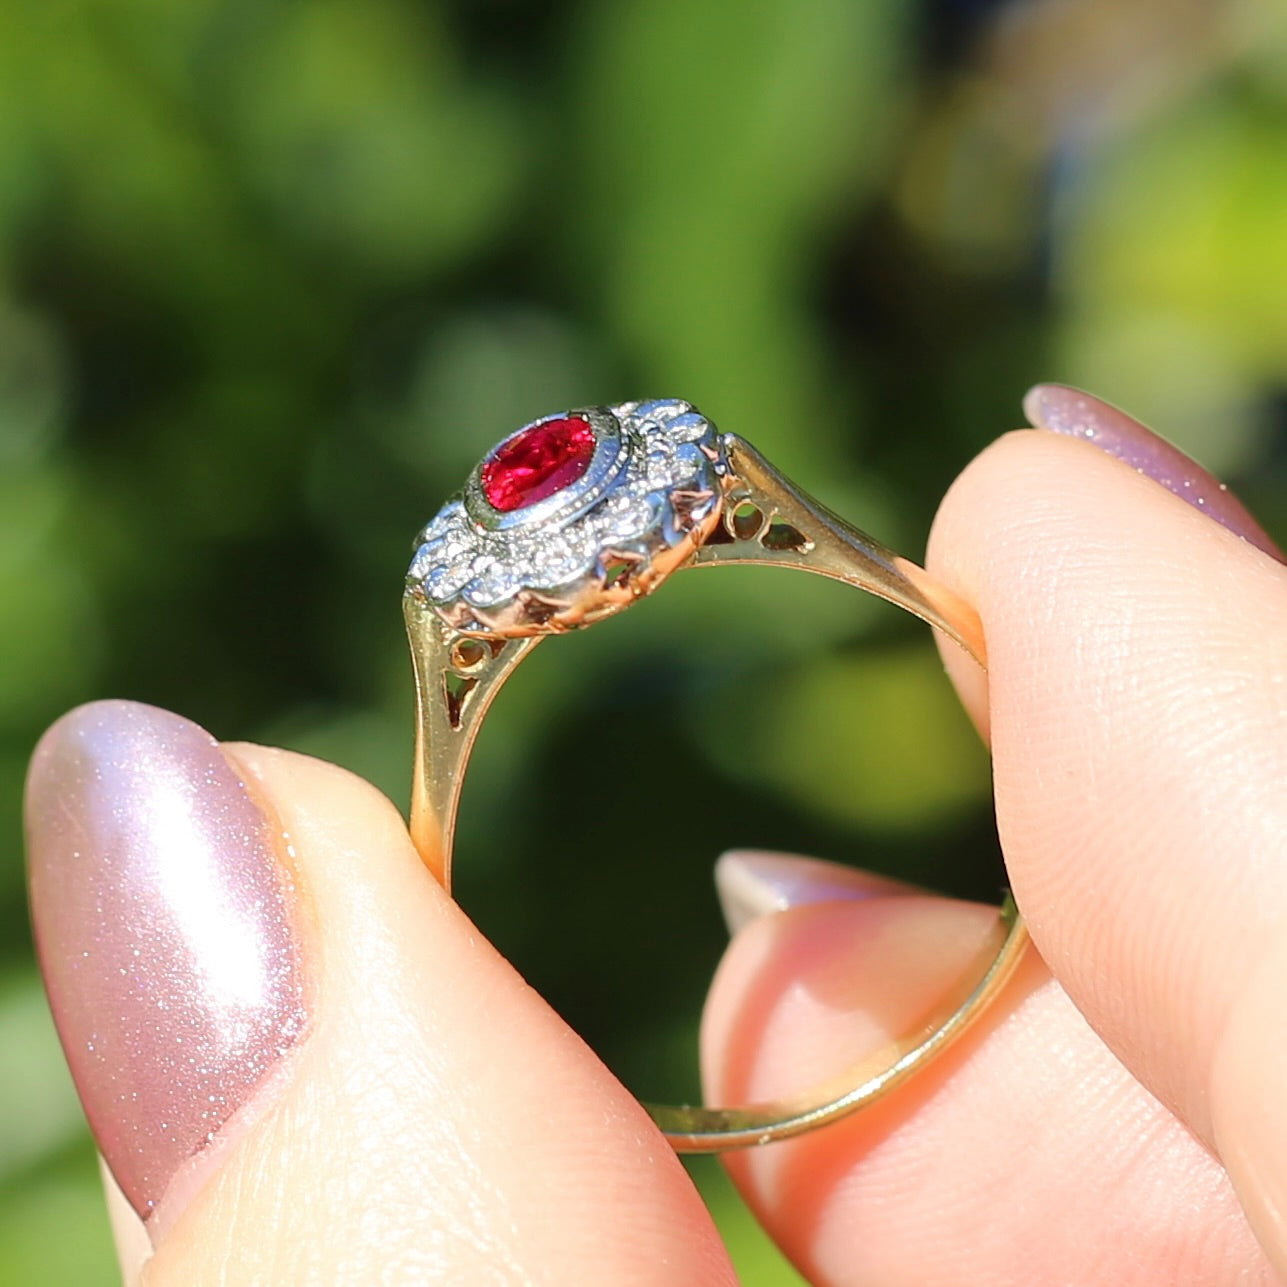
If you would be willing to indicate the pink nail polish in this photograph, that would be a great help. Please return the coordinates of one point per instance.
(751, 884)
(165, 926)
(1067, 411)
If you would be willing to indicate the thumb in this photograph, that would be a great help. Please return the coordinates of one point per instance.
(299, 1060)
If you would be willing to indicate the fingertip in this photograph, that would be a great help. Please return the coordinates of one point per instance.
(133, 1245)
(799, 997)
(954, 561)
(1025, 1153)
(164, 908)
(1248, 1107)
(439, 1123)
(805, 993)
(1134, 703)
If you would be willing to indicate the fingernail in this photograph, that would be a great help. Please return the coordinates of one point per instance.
(1075, 414)
(751, 884)
(165, 926)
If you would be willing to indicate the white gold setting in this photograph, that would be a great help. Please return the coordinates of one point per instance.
(651, 492)
(611, 452)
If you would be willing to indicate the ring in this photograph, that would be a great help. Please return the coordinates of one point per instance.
(573, 518)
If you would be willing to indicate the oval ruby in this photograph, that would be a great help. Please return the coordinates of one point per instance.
(538, 462)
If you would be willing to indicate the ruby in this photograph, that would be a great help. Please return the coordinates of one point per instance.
(538, 462)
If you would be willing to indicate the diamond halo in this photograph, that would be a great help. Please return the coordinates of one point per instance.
(641, 503)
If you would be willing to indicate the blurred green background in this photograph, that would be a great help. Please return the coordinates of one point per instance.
(274, 275)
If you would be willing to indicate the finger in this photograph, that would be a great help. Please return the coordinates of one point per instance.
(300, 1061)
(1026, 1155)
(1137, 702)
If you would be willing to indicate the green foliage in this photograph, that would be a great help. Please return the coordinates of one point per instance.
(273, 275)
(896, 753)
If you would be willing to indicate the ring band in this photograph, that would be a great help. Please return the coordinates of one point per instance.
(571, 519)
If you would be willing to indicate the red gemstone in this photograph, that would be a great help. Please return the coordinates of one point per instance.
(538, 462)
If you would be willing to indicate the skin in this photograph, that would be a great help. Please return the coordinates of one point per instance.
(1117, 1118)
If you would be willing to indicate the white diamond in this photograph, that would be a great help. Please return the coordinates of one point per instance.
(445, 581)
(493, 583)
(450, 549)
(557, 562)
(687, 427)
(667, 469)
(660, 410)
(512, 551)
(424, 562)
(448, 523)
(624, 516)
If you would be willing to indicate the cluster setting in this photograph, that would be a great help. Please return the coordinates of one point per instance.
(571, 518)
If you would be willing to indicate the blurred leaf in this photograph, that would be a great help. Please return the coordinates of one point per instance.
(476, 377)
(724, 147)
(39, 1111)
(967, 186)
(1174, 262)
(362, 134)
(139, 178)
(875, 740)
(54, 1231)
(1175, 373)
(50, 642)
(33, 387)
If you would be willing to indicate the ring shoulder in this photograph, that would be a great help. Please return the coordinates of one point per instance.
(768, 520)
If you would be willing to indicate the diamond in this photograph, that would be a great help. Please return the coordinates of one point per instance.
(537, 462)
(665, 468)
(623, 517)
(660, 410)
(555, 506)
(557, 561)
(446, 580)
(492, 583)
(687, 427)
(424, 562)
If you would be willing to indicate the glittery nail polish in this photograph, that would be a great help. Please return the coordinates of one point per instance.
(164, 912)
(1074, 414)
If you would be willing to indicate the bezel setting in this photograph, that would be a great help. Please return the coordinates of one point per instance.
(605, 465)
(652, 491)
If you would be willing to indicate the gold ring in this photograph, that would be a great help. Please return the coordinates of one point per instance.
(571, 519)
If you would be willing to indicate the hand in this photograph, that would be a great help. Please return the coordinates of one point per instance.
(389, 1103)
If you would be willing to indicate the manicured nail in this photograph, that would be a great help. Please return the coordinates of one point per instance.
(751, 884)
(165, 926)
(1075, 414)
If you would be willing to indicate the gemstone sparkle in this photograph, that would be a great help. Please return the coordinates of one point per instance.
(534, 464)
